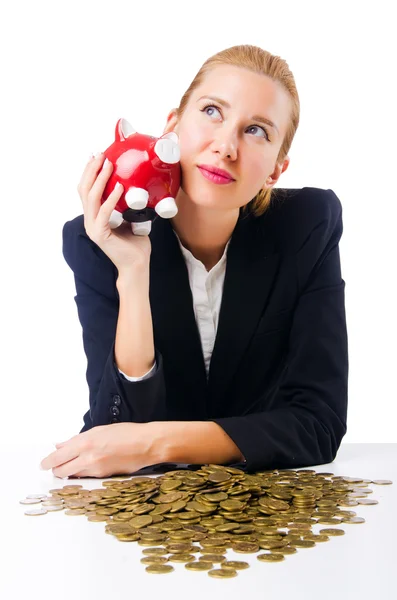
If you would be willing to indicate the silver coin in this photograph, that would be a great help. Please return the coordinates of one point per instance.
(36, 511)
(29, 501)
(54, 507)
(39, 496)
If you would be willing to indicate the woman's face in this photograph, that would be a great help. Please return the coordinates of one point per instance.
(223, 132)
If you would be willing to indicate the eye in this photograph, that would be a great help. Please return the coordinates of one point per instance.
(251, 126)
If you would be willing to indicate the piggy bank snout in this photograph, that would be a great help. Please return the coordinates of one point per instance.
(168, 151)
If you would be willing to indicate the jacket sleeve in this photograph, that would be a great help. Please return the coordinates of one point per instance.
(145, 376)
(309, 422)
(112, 398)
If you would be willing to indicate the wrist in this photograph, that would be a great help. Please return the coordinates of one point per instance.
(133, 275)
(159, 449)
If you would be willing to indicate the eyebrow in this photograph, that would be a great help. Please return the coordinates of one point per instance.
(254, 118)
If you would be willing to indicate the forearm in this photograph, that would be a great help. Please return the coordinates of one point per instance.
(195, 442)
(134, 343)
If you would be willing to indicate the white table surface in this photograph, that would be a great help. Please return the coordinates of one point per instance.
(56, 556)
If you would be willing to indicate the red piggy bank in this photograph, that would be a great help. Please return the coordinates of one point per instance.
(150, 172)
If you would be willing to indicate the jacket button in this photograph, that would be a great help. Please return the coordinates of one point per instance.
(114, 420)
(114, 411)
(116, 400)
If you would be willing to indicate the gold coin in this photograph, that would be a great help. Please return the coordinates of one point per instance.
(382, 482)
(347, 513)
(35, 512)
(169, 498)
(303, 544)
(150, 542)
(217, 497)
(127, 537)
(331, 521)
(348, 503)
(180, 535)
(214, 558)
(96, 518)
(159, 569)
(175, 506)
(316, 537)
(155, 551)
(235, 564)
(270, 557)
(181, 558)
(154, 560)
(199, 565)
(332, 532)
(139, 522)
(232, 505)
(75, 511)
(219, 476)
(285, 550)
(245, 547)
(269, 545)
(36, 496)
(170, 484)
(211, 542)
(176, 548)
(213, 550)
(353, 520)
(222, 573)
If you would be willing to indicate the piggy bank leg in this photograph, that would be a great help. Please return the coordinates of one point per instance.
(166, 208)
(137, 198)
(116, 218)
(143, 228)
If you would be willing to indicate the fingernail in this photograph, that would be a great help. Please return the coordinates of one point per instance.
(106, 163)
(98, 154)
(41, 468)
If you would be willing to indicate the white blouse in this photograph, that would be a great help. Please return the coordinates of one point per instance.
(207, 290)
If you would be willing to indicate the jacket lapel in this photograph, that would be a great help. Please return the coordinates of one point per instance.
(251, 267)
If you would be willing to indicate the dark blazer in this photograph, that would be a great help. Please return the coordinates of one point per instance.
(278, 380)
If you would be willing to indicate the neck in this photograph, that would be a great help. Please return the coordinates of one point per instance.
(204, 231)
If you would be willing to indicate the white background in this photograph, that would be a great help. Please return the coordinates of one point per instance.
(70, 70)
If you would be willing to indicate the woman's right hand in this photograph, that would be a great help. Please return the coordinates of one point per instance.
(124, 249)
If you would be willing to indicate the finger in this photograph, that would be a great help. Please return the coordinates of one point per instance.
(71, 468)
(88, 176)
(109, 205)
(60, 456)
(95, 193)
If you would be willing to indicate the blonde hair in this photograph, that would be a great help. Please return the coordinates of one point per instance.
(259, 61)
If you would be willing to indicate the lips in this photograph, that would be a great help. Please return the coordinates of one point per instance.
(217, 171)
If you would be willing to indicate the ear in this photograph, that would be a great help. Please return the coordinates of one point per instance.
(278, 170)
(172, 121)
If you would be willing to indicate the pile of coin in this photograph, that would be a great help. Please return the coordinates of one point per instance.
(194, 517)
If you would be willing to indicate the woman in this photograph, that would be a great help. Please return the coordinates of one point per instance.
(221, 337)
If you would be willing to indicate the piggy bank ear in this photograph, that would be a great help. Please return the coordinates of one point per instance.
(171, 135)
(125, 129)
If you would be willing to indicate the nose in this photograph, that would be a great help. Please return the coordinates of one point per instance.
(225, 145)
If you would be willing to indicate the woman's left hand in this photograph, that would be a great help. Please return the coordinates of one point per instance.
(105, 450)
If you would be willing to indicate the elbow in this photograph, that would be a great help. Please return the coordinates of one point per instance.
(329, 440)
